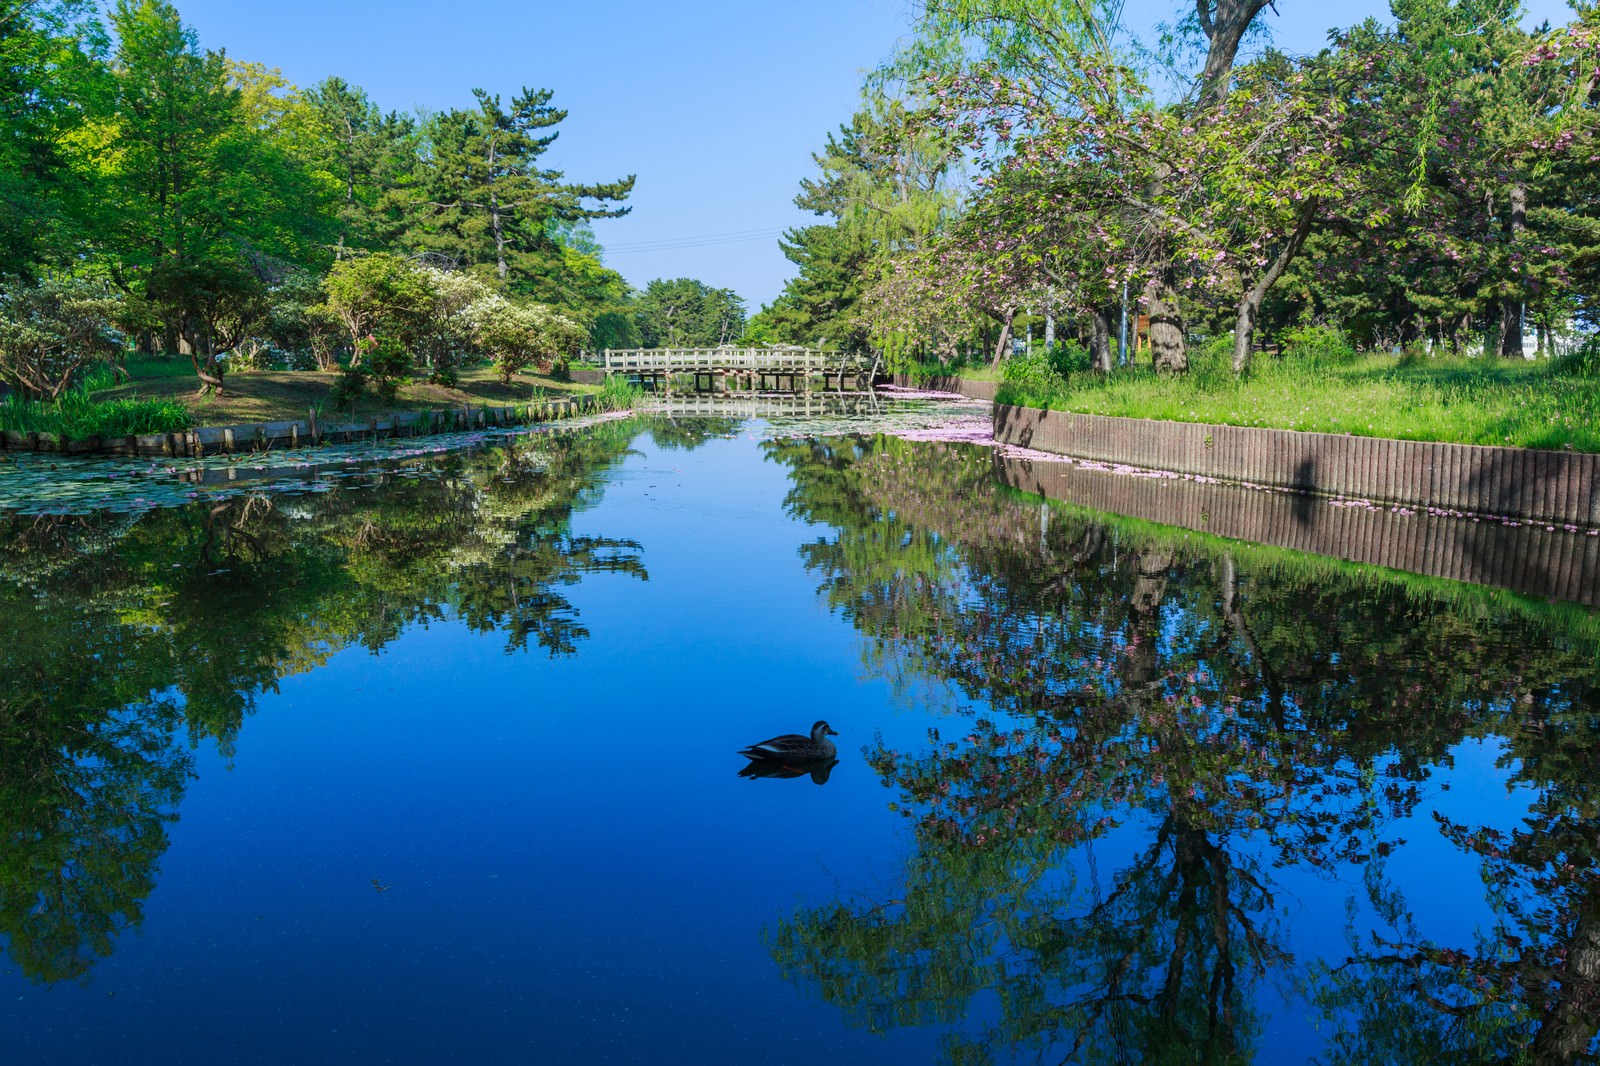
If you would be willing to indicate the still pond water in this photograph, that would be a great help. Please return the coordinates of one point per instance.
(431, 758)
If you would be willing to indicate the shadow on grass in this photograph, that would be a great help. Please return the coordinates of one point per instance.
(270, 396)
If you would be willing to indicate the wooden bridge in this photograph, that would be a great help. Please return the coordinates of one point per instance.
(738, 369)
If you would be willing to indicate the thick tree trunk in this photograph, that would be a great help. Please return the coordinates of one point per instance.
(1166, 324)
(1567, 1026)
(1511, 306)
(1224, 23)
(1100, 353)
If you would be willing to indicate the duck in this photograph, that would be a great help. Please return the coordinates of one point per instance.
(793, 748)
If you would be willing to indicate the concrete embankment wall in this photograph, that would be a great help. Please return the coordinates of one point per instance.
(214, 440)
(976, 390)
(1527, 557)
(1546, 486)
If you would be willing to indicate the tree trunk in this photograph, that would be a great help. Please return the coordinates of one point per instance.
(1244, 330)
(1250, 303)
(1100, 354)
(495, 222)
(1511, 306)
(1224, 23)
(499, 236)
(1004, 342)
(1567, 1026)
(1166, 323)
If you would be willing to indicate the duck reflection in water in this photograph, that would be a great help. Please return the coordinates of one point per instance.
(793, 755)
(818, 771)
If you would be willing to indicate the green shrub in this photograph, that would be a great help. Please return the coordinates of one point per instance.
(1218, 349)
(1069, 357)
(158, 366)
(1317, 344)
(388, 364)
(1030, 380)
(348, 388)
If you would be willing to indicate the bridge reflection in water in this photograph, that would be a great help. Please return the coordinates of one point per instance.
(780, 405)
(1532, 558)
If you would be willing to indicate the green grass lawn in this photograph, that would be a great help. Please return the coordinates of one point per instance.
(1467, 401)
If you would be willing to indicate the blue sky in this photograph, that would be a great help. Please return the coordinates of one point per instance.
(716, 106)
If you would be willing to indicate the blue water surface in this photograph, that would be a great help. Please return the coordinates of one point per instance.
(448, 850)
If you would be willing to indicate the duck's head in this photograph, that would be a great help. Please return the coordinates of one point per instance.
(822, 729)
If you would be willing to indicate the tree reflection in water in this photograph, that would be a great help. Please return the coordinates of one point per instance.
(133, 637)
(1242, 716)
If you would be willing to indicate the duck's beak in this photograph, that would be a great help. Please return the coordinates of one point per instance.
(832, 731)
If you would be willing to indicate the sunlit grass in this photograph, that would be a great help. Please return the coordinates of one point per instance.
(618, 394)
(77, 415)
(1467, 401)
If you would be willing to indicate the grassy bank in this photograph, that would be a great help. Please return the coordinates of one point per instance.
(80, 413)
(977, 370)
(1540, 404)
(251, 397)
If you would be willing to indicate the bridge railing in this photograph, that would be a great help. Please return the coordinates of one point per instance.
(689, 360)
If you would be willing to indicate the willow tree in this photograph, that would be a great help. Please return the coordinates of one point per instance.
(883, 186)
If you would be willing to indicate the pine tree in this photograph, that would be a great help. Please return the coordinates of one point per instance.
(488, 204)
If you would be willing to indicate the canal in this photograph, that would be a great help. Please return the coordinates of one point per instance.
(426, 752)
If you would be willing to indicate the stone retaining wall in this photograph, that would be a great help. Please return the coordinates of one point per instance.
(214, 440)
(1556, 487)
(1526, 557)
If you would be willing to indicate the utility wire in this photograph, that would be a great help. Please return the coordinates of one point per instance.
(704, 236)
(669, 244)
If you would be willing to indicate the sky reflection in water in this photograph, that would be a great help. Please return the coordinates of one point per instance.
(437, 763)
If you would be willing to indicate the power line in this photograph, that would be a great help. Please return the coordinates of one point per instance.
(705, 236)
(670, 244)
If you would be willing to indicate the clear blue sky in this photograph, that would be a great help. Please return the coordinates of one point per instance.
(716, 105)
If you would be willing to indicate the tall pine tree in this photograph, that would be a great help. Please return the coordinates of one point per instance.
(487, 203)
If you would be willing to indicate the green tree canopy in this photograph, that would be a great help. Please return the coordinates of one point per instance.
(686, 313)
(485, 199)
